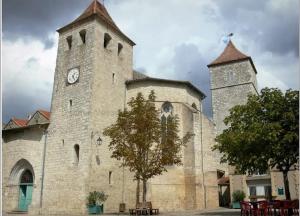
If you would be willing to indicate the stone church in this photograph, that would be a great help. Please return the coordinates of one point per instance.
(52, 160)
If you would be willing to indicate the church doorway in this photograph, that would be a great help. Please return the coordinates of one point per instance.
(25, 190)
(20, 186)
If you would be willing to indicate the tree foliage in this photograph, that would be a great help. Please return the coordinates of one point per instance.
(262, 133)
(142, 142)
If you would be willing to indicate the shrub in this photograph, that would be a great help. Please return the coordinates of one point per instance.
(238, 196)
(96, 198)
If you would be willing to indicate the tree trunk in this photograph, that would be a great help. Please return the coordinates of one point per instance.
(137, 191)
(286, 185)
(144, 190)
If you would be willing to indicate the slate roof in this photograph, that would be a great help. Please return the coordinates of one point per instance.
(96, 10)
(177, 82)
(138, 75)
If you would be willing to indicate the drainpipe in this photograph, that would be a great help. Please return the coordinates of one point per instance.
(43, 168)
(202, 160)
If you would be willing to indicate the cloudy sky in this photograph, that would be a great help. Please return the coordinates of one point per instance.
(175, 39)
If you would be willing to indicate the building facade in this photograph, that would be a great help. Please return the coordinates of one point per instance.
(51, 163)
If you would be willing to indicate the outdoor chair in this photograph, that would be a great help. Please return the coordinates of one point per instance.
(245, 208)
(295, 206)
(144, 208)
(152, 210)
(263, 208)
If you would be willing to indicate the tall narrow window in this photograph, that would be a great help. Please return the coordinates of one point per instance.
(70, 105)
(109, 177)
(76, 154)
(82, 34)
(107, 39)
(120, 47)
(166, 120)
(69, 41)
(113, 78)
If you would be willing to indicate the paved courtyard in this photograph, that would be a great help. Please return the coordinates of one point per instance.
(214, 212)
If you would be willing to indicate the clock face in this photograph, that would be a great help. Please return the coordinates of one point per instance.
(73, 75)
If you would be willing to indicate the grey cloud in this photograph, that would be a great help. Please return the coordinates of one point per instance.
(273, 30)
(36, 19)
(19, 104)
(190, 64)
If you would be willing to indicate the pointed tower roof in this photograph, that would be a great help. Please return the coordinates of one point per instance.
(229, 54)
(96, 10)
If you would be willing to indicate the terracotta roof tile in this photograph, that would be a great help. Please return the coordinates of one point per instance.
(230, 54)
(20, 122)
(98, 10)
(46, 114)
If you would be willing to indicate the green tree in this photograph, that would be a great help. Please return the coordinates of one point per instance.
(263, 133)
(142, 142)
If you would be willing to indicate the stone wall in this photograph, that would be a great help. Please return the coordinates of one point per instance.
(18, 146)
(65, 186)
(230, 84)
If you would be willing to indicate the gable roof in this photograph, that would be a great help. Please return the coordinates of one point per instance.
(45, 113)
(20, 122)
(96, 10)
(15, 123)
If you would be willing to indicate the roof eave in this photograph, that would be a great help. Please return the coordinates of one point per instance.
(90, 18)
(128, 82)
(233, 61)
(24, 127)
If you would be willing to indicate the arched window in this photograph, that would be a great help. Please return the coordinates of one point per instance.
(26, 177)
(107, 39)
(82, 34)
(167, 108)
(76, 154)
(194, 106)
(120, 47)
(69, 41)
(166, 120)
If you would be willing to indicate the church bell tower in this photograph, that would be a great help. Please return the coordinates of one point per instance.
(232, 78)
(94, 59)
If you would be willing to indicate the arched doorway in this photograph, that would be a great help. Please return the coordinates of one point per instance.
(25, 192)
(21, 181)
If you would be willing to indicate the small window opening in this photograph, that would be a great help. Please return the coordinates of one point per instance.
(76, 154)
(82, 34)
(113, 78)
(194, 106)
(70, 104)
(97, 160)
(69, 41)
(109, 177)
(120, 47)
(63, 142)
(107, 39)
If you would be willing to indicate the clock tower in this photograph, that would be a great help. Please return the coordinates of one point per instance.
(94, 59)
